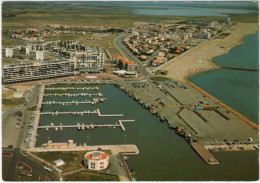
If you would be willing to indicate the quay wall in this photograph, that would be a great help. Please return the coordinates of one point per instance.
(240, 116)
(37, 118)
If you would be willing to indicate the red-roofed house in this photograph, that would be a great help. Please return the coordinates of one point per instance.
(124, 63)
(157, 62)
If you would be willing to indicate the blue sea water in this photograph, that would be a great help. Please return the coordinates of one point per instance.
(236, 88)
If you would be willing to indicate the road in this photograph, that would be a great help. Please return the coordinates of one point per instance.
(11, 135)
(11, 173)
(118, 42)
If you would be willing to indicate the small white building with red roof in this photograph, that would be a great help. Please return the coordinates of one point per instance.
(96, 160)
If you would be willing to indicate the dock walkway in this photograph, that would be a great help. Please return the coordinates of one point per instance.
(94, 101)
(97, 111)
(74, 95)
(73, 88)
(84, 126)
(204, 154)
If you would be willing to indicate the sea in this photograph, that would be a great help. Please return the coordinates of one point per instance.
(239, 89)
(183, 8)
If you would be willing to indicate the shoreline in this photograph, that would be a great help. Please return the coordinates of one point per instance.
(185, 77)
(192, 63)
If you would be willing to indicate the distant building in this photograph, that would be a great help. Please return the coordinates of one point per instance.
(125, 64)
(39, 55)
(214, 23)
(96, 160)
(7, 52)
(18, 95)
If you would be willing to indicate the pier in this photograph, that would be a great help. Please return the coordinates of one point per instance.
(73, 88)
(74, 95)
(97, 111)
(94, 101)
(73, 113)
(204, 154)
(108, 115)
(85, 126)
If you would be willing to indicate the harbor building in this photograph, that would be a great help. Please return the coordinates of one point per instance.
(13, 73)
(96, 160)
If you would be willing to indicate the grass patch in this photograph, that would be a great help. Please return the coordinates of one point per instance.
(32, 108)
(159, 79)
(13, 101)
(222, 35)
(161, 72)
(90, 176)
(72, 159)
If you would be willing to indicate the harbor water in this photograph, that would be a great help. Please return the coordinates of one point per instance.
(236, 88)
(163, 154)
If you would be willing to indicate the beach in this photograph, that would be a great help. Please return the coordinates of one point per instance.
(199, 59)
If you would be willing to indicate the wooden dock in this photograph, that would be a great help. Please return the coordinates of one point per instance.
(204, 154)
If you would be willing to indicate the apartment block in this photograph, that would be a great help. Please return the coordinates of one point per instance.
(13, 73)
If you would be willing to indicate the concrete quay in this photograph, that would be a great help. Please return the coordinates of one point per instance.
(207, 127)
(37, 118)
(204, 154)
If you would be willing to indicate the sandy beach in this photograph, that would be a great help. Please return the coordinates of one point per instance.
(200, 58)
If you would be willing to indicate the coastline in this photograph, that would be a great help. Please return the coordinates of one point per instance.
(192, 63)
(180, 71)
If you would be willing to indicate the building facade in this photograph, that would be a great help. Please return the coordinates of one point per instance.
(96, 160)
(13, 73)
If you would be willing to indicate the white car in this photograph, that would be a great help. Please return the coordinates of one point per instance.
(47, 168)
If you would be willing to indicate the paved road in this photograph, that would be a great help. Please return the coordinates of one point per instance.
(118, 42)
(11, 173)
